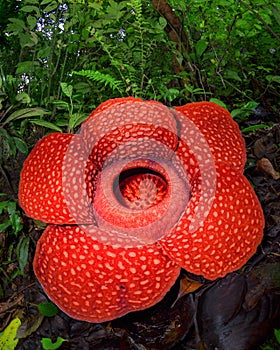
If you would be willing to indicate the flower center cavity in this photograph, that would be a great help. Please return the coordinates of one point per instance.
(140, 188)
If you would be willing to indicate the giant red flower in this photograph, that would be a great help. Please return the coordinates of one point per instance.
(139, 193)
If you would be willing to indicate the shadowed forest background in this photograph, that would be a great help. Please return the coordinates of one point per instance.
(58, 61)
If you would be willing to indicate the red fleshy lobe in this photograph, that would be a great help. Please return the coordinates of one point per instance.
(221, 132)
(227, 237)
(48, 190)
(94, 282)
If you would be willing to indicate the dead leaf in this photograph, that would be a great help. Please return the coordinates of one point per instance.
(29, 326)
(187, 286)
(265, 165)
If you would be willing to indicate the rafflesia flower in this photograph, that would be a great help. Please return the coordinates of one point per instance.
(139, 193)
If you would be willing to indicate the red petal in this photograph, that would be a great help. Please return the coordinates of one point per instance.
(227, 237)
(46, 179)
(130, 130)
(109, 103)
(93, 282)
(220, 131)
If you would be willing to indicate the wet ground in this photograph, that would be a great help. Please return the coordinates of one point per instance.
(237, 312)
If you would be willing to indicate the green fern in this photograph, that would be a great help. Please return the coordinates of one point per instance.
(105, 79)
(129, 68)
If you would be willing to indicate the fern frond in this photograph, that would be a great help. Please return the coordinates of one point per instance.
(105, 79)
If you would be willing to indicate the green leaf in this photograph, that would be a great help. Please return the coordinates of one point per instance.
(45, 124)
(200, 47)
(67, 89)
(23, 97)
(21, 145)
(44, 52)
(26, 113)
(218, 102)
(32, 21)
(17, 24)
(24, 67)
(8, 339)
(49, 345)
(254, 127)
(277, 335)
(51, 7)
(3, 227)
(45, 2)
(76, 119)
(28, 40)
(162, 22)
(276, 14)
(251, 105)
(22, 250)
(273, 78)
(12, 206)
(60, 104)
(30, 8)
(230, 74)
(48, 309)
(3, 204)
(16, 223)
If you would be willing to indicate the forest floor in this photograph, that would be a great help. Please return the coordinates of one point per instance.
(237, 312)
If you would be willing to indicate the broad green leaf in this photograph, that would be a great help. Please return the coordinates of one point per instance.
(32, 21)
(48, 309)
(45, 124)
(12, 145)
(3, 204)
(44, 52)
(24, 67)
(273, 78)
(230, 74)
(277, 335)
(26, 113)
(23, 97)
(236, 112)
(3, 227)
(12, 207)
(21, 145)
(276, 14)
(17, 24)
(200, 47)
(76, 119)
(51, 7)
(16, 223)
(49, 345)
(67, 89)
(60, 104)
(8, 339)
(29, 40)
(251, 105)
(162, 22)
(45, 2)
(30, 8)
(22, 250)
(4, 133)
(218, 102)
